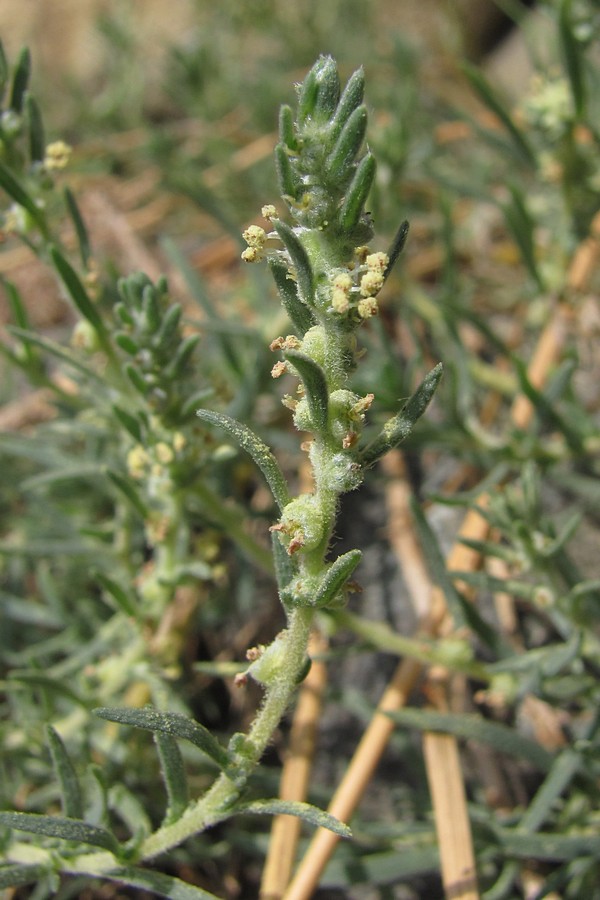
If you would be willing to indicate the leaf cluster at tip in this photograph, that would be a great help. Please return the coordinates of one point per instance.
(324, 174)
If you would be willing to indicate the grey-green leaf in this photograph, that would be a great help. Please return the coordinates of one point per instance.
(76, 290)
(305, 811)
(351, 98)
(315, 385)
(72, 804)
(400, 426)
(336, 577)
(347, 147)
(256, 448)
(11, 876)
(299, 313)
(20, 80)
(170, 723)
(357, 193)
(162, 885)
(59, 827)
(300, 261)
(173, 773)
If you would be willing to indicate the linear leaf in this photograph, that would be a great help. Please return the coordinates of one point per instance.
(162, 885)
(170, 723)
(315, 385)
(129, 491)
(60, 827)
(37, 141)
(300, 261)
(490, 98)
(173, 773)
(44, 343)
(15, 189)
(305, 811)
(299, 313)
(83, 240)
(336, 577)
(76, 290)
(400, 426)
(475, 728)
(11, 876)
(72, 804)
(20, 80)
(554, 847)
(573, 57)
(256, 448)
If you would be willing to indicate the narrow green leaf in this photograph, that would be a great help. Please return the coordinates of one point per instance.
(336, 577)
(170, 723)
(122, 599)
(163, 885)
(400, 426)
(60, 827)
(300, 261)
(351, 98)
(396, 247)
(357, 193)
(290, 185)
(129, 491)
(522, 226)
(285, 567)
(169, 326)
(55, 686)
(173, 773)
(553, 847)
(489, 97)
(287, 132)
(304, 811)
(176, 368)
(76, 290)
(20, 80)
(11, 876)
(4, 71)
(328, 91)
(14, 189)
(129, 422)
(83, 241)
(475, 728)
(572, 52)
(347, 147)
(543, 805)
(72, 804)
(136, 378)
(58, 351)
(37, 140)
(300, 314)
(258, 450)
(315, 386)
(126, 343)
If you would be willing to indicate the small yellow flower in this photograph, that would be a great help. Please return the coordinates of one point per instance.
(255, 236)
(367, 307)
(164, 453)
(251, 254)
(137, 460)
(377, 262)
(57, 156)
(179, 442)
(269, 212)
(371, 283)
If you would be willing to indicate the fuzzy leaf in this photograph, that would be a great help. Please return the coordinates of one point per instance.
(11, 876)
(83, 241)
(129, 422)
(76, 290)
(305, 811)
(58, 351)
(60, 827)
(173, 773)
(287, 134)
(300, 261)
(163, 885)
(351, 98)
(258, 450)
(122, 599)
(396, 247)
(289, 183)
(170, 723)
(72, 805)
(397, 429)
(357, 193)
(315, 385)
(328, 91)
(347, 147)
(299, 313)
(336, 577)
(285, 567)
